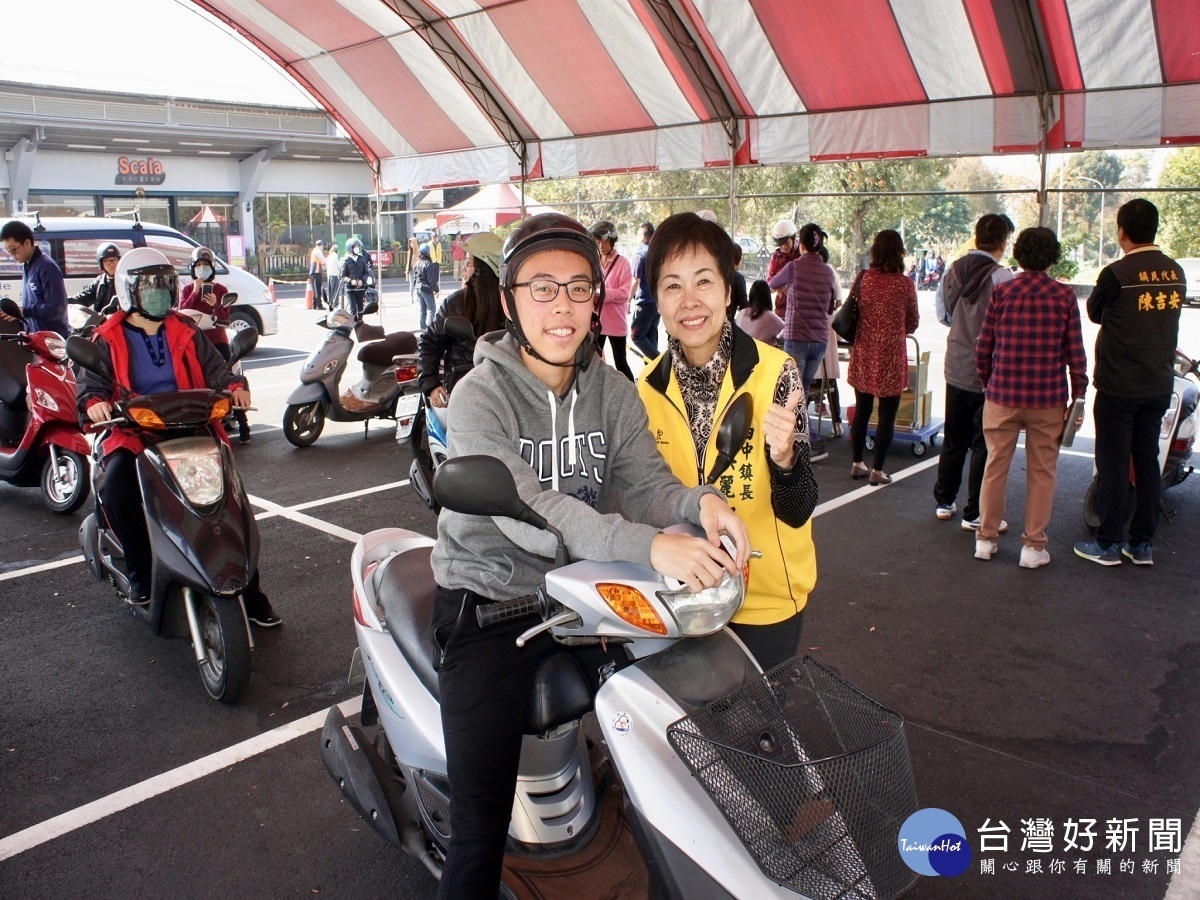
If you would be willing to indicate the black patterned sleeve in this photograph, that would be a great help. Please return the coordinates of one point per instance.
(793, 491)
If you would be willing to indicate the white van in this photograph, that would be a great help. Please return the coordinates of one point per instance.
(72, 243)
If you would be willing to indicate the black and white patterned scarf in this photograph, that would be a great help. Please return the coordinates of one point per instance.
(701, 386)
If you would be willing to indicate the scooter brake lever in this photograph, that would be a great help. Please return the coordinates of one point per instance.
(567, 615)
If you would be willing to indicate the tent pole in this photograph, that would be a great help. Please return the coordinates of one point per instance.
(524, 164)
(733, 180)
(1043, 141)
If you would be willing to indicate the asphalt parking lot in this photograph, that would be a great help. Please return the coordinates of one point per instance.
(1065, 693)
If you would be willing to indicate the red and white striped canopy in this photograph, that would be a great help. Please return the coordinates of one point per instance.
(482, 91)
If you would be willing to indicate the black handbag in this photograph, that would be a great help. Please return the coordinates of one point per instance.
(845, 323)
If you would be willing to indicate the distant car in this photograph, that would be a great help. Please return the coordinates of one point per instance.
(72, 243)
(1191, 271)
(750, 247)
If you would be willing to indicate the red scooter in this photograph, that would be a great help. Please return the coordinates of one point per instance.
(41, 442)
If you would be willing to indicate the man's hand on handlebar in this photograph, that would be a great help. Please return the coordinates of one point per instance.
(100, 412)
(692, 560)
(241, 398)
(716, 517)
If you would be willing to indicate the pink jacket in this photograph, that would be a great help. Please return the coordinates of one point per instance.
(618, 285)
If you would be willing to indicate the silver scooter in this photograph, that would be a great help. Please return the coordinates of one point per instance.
(721, 782)
(377, 395)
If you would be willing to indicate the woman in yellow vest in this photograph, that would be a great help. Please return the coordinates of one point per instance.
(708, 362)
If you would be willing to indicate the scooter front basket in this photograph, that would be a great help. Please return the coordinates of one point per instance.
(813, 776)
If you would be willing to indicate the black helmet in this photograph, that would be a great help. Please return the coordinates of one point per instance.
(604, 231)
(550, 231)
(107, 251)
(199, 255)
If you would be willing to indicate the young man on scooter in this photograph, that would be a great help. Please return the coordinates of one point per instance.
(576, 440)
(150, 348)
(101, 294)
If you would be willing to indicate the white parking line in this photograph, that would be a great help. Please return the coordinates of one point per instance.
(44, 567)
(76, 818)
(312, 521)
(865, 490)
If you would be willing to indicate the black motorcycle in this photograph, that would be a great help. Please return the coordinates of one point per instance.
(203, 536)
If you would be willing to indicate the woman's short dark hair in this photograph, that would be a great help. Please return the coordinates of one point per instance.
(760, 299)
(687, 231)
(1139, 220)
(887, 252)
(1037, 249)
(811, 237)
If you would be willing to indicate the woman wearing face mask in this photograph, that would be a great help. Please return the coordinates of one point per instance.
(206, 295)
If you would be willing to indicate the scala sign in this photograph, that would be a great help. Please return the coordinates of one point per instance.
(140, 171)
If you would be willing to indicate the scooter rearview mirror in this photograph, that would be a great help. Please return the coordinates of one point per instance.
(243, 343)
(371, 308)
(230, 298)
(87, 356)
(460, 329)
(481, 486)
(9, 307)
(731, 434)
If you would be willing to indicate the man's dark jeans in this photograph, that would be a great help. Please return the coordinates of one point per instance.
(1125, 427)
(963, 432)
(644, 330)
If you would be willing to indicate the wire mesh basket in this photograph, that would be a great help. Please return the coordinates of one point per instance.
(813, 776)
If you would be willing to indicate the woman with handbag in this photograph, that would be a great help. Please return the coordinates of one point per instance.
(887, 313)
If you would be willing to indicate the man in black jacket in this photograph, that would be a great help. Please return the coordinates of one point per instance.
(1137, 301)
(101, 294)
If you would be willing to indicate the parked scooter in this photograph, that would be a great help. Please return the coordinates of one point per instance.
(377, 394)
(428, 437)
(1176, 438)
(790, 783)
(41, 442)
(202, 531)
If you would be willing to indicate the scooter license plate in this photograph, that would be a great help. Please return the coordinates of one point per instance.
(406, 411)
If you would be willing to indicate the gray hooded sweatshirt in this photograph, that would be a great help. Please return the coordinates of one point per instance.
(576, 460)
(962, 301)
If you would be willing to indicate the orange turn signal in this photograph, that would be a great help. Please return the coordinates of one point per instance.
(146, 418)
(220, 409)
(632, 606)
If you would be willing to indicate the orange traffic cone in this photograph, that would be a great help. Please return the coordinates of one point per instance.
(271, 289)
(308, 296)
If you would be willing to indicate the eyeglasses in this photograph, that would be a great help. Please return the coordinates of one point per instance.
(544, 291)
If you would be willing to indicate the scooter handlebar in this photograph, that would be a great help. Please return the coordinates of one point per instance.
(490, 614)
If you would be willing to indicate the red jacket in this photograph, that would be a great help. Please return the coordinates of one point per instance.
(196, 362)
(210, 305)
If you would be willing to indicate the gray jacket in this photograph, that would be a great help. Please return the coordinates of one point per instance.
(575, 459)
(962, 301)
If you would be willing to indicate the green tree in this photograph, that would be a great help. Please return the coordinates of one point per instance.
(1179, 213)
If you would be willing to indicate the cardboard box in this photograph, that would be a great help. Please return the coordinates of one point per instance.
(913, 414)
(918, 374)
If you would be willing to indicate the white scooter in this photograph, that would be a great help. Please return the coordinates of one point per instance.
(728, 783)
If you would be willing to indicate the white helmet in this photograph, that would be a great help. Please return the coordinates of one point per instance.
(784, 229)
(146, 282)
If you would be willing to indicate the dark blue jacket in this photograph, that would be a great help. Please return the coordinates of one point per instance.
(44, 295)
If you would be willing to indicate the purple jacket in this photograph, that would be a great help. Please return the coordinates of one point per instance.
(812, 292)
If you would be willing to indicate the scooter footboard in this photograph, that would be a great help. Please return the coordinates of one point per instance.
(364, 778)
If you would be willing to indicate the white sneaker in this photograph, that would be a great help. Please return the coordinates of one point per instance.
(973, 524)
(1032, 559)
(985, 549)
(946, 511)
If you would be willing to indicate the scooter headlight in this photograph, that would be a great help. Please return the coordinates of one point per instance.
(196, 467)
(704, 612)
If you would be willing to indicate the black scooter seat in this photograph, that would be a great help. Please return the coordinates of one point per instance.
(405, 587)
(380, 352)
(13, 378)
